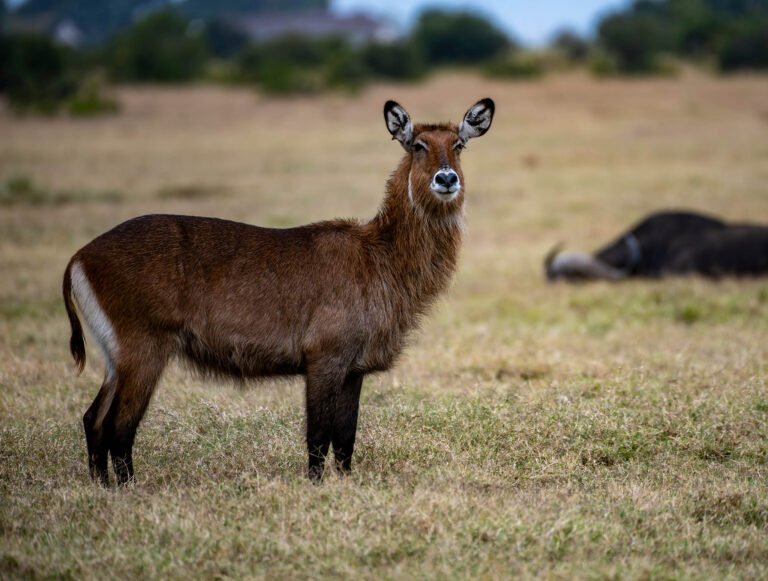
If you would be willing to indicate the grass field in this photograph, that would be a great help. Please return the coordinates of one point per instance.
(595, 431)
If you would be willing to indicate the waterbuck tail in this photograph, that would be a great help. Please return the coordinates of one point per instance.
(77, 341)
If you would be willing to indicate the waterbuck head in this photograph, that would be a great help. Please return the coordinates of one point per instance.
(435, 178)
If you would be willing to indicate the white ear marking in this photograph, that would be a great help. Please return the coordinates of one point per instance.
(398, 123)
(477, 120)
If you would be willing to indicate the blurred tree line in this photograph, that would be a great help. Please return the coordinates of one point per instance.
(731, 34)
(166, 46)
(165, 41)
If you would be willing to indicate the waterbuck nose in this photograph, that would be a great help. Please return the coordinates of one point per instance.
(447, 179)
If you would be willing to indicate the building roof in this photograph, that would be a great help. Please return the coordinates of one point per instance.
(357, 28)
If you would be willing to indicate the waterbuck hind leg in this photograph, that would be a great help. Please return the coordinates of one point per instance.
(345, 421)
(95, 437)
(137, 380)
(324, 383)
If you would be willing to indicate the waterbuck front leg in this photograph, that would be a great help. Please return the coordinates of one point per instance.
(324, 384)
(345, 421)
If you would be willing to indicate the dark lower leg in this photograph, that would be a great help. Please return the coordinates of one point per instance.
(96, 440)
(97, 456)
(318, 449)
(130, 406)
(318, 435)
(323, 385)
(345, 421)
(122, 458)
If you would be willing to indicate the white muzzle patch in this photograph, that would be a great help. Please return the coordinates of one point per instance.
(445, 184)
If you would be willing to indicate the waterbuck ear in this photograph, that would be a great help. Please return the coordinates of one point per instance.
(399, 123)
(477, 120)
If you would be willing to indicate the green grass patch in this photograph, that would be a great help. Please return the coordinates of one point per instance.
(22, 191)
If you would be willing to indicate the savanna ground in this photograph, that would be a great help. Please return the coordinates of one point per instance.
(595, 431)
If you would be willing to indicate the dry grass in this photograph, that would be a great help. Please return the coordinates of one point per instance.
(593, 431)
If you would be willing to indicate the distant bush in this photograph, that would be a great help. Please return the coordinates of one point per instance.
(345, 70)
(603, 64)
(285, 79)
(223, 39)
(91, 99)
(636, 40)
(297, 64)
(517, 65)
(36, 75)
(746, 45)
(397, 61)
(458, 38)
(159, 48)
(573, 46)
(286, 65)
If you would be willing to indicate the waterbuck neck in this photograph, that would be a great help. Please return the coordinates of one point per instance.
(418, 246)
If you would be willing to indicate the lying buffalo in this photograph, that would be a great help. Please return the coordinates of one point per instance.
(670, 243)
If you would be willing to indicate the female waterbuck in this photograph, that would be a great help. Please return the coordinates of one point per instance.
(332, 301)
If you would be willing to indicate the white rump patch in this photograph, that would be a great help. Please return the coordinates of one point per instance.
(98, 323)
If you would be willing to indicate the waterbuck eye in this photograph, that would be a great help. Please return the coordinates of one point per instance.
(419, 146)
(460, 145)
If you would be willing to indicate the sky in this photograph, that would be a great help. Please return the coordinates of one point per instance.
(530, 21)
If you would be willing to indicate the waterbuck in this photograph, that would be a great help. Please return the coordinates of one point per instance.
(670, 243)
(332, 301)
